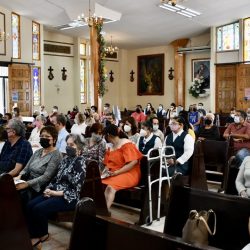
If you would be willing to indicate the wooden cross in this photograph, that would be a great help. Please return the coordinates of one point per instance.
(111, 78)
(64, 76)
(132, 76)
(50, 76)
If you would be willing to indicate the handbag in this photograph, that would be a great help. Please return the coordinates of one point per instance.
(196, 228)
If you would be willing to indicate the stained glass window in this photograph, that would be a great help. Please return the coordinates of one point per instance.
(83, 85)
(246, 39)
(15, 28)
(228, 37)
(35, 41)
(36, 86)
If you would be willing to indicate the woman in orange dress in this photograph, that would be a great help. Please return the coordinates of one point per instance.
(122, 160)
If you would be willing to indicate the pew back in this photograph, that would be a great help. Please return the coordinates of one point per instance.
(232, 215)
(13, 231)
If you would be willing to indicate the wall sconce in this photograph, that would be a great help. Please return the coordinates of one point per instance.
(64, 76)
(132, 76)
(170, 75)
(111, 78)
(50, 76)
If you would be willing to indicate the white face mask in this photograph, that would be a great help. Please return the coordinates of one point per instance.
(160, 108)
(127, 128)
(54, 110)
(200, 107)
(148, 106)
(155, 127)
(143, 132)
(232, 115)
(174, 127)
(105, 108)
(237, 119)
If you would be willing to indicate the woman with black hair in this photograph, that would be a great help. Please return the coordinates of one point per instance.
(131, 130)
(122, 160)
(188, 127)
(183, 144)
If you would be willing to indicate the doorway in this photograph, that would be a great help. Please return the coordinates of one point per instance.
(3, 89)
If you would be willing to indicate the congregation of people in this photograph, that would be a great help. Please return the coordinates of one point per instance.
(47, 158)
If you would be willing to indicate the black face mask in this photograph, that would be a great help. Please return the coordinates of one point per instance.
(70, 151)
(138, 110)
(108, 123)
(44, 142)
(208, 122)
(4, 135)
(194, 109)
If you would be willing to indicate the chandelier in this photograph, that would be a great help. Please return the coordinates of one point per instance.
(111, 49)
(90, 19)
(4, 36)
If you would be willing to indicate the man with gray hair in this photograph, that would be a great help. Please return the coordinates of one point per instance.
(16, 151)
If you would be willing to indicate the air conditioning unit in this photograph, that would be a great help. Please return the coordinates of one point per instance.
(194, 49)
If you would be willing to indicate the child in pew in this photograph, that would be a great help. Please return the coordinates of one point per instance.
(122, 162)
(61, 194)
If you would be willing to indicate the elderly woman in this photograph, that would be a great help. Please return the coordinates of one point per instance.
(122, 162)
(95, 146)
(41, 168)
(209, 131)
(35, 134)
(61, 194)
(130, 129)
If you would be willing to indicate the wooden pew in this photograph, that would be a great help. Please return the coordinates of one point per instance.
(232, 214)
(100, 232)
(13, 231)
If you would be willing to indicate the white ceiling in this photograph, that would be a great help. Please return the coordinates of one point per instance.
(143, 23)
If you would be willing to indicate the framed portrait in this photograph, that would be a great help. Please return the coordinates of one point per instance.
(150, 75)
(2, 29)
(201, 70)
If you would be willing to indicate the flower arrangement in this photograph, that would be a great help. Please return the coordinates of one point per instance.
(197, 89)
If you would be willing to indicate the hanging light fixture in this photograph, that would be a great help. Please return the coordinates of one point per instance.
(90, 19)
(111, 49)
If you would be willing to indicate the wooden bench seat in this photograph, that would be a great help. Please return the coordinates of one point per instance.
(232, 214)
(100, 232)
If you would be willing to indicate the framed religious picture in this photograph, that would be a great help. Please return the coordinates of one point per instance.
(150, 75)
(2, 34)
(201, 71)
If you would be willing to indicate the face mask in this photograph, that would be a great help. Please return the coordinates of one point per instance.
(237, 119)
(199, 107)
(155, 127)
(148, 106)
(180, 108)
(171, 108)
(105, 108)
(232, 115)
(143, 132)
(44, 142)
(194, 109)
(54, 110)
(70, 151)
(160, 108)
(174, 127)
(208, 122)
(138, 110)
(96, 137)
(127, 128)
(108, 123)
(92, 110)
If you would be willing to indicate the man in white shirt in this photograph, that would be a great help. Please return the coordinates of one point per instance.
(43, 111)
(60, 121)
(183, 144)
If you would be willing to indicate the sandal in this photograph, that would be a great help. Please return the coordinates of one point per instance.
(45, 238)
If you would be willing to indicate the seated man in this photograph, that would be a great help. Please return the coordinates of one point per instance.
(16, 151)
(239, 130)
(156, 130)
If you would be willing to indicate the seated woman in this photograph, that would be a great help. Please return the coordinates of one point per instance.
(34, 138)
(80, 126)
(209, 131)
(95, 146)
(41, 168)
(183, 144)
(147, 139)
(130, 129)
(61, 194)
(122, 161)
(242, 181)
(188, 126)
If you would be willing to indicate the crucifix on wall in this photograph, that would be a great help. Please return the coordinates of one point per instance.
(50, 76)
(64, 76)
